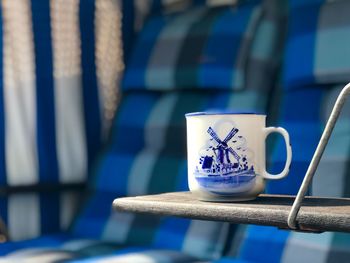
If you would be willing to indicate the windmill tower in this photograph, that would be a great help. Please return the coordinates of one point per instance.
(222, 151)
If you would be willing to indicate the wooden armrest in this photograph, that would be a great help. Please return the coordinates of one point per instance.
(317, 214)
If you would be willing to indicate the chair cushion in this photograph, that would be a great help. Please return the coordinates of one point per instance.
(305, 123)
(286, 246)
(318, 53)
(207, 48)
(231, 260)
(52, 102)
(304, 114)
(67, 248)
(300, 114)
(147, 151)
(149, 135)
(31, 214)
(149, 138)
(147, 154)
(314, 74)
(142, 256)
(318, 50)
(53, 84)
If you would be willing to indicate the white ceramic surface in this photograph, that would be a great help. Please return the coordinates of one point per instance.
(226, 155)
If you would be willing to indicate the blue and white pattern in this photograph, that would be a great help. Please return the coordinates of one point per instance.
(54, 105)
(223, 164)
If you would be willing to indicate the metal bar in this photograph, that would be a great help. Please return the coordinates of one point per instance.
(317, 156)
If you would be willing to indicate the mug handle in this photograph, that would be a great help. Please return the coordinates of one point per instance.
(285, 135)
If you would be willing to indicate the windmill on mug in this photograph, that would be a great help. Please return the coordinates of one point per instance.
(222, 153)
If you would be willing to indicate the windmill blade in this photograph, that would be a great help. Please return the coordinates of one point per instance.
(234, 154)
(214, 135)
(231, 134)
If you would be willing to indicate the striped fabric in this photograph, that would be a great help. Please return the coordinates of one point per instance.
(31, 214)
(318, 49)
(180, 51)
(57, 99)
(52, 102)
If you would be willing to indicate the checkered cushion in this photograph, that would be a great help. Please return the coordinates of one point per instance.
(315, 54)
(148, 155)
(304, 123)
(58, 248)
(211, 48)
(318, 49)
(330, 180)
(55, 88)
(147, 152)
(313, 69)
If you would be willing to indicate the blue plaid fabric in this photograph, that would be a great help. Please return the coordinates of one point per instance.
(318, 47)
(147, 151)
(65, 248)
(52, 108)
(305, 124)
(326, 247)
(316, 35)
(147, 155)
(181, 51)
(315, 71)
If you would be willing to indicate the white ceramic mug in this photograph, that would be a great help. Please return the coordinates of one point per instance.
(226, 155)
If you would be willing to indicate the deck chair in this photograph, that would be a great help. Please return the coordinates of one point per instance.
(198, 59)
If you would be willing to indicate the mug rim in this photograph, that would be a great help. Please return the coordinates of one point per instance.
(206, 113)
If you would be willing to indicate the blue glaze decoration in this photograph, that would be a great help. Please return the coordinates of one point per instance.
(223, 112)
(225, 169)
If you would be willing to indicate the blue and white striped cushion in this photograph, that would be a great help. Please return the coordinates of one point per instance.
(57, 96)
(31, 214)
(52, 95)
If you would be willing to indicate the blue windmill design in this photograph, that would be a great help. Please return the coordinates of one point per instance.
(223, 150)
(222, 169)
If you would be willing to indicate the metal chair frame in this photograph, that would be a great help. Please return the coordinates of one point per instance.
(337, 108)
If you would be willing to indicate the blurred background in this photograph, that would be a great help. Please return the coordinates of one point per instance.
(92, 101)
